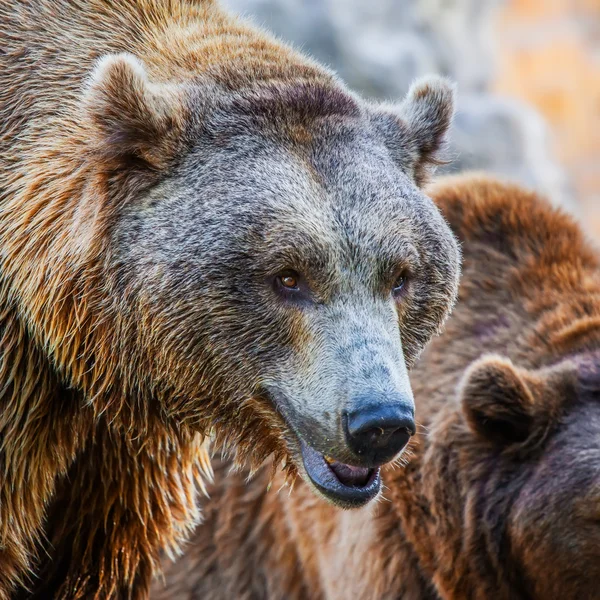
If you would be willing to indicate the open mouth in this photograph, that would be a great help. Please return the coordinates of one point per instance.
(345, 485)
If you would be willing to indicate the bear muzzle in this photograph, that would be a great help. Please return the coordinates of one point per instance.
(375, 433)
(343, 463)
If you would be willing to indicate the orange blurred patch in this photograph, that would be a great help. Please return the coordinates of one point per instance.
(549, 56)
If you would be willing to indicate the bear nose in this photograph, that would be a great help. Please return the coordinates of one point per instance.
(377, 433)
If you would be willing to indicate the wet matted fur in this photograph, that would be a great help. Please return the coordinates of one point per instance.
(501, 497)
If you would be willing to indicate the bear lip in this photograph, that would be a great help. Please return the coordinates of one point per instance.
(345, 485)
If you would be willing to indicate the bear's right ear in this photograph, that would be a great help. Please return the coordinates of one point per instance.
(498, 400)
(416, 129)
(134, 122)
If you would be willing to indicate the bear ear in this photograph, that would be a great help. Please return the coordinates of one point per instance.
(134, 122)
(416, 129)
(498, 401)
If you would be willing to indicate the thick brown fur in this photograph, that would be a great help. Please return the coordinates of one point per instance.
(500, 497)
(111, 364)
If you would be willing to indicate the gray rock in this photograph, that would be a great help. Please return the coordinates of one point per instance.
(509, 139)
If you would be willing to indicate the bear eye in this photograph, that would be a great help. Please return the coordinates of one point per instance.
(399, 284)
(288, 280)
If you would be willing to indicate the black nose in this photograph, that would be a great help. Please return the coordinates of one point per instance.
(378, 432)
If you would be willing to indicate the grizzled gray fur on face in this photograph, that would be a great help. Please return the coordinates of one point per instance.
(290, 267)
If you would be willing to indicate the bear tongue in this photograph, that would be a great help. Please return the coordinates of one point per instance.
(349, 475)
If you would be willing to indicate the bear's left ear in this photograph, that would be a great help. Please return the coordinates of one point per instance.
(415, 131)
(498, 400)
(133, 122)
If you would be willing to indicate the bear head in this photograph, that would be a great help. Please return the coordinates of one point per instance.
(275, 267)
(525, 455)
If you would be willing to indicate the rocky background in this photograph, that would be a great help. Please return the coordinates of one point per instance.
(528, 74)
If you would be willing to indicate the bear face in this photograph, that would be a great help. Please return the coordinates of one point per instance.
(533, 444)
(282, 265)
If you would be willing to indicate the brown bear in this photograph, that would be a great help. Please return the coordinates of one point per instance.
(501, 497)
(201, 232)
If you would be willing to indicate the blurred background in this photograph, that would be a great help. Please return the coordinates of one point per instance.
(528, 74)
